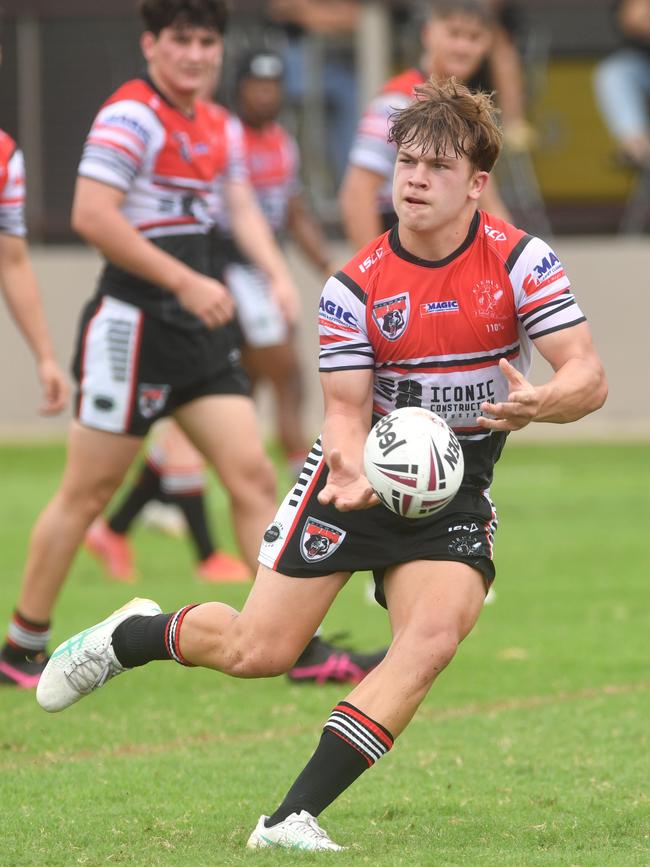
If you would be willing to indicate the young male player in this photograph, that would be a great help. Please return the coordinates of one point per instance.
(456, 39)
(155, 339)
(474, 294)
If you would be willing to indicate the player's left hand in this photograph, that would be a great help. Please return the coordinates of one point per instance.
(286, 295)
(520, 409)
(346, 487)
(55, 387)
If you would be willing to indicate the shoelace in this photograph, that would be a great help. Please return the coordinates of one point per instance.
(309, 827)
(92, 671)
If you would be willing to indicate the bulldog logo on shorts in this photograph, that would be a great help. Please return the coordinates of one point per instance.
(152, 399)
(319, 540)
(392, 315)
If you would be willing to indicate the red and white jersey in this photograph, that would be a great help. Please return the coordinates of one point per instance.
(166, 162)
(273, 164)
(433, 332)
(12, 188)
(170, 166)
(371, 149)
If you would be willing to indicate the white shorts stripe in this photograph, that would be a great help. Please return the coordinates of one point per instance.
(109, 366)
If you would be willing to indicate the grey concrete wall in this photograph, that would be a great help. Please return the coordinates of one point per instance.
(610, 277)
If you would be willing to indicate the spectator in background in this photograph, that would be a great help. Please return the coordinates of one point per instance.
(334, 21)
(622, 83)
(503, 72)
(456, 40)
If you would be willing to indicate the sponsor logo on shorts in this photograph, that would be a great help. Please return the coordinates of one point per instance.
(392, 315)
(152, 399)
(464, 547)
(103, 403)
(320, 540)
(273, 533)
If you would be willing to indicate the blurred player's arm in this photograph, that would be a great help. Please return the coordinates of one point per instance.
(634, 17)
(256, 240)
(320, 16)
(97, 217)
(348, 416)
(358, 202)
(577, 387)
(20, 289)
(309, 236)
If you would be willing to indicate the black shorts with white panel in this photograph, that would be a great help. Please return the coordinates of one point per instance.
(307, 539)
(133, 368)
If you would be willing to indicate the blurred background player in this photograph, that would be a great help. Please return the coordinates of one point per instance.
(622, 83)
(20, 290)
(173, 469)
(155, 339)
(171, 478)
(316, 38)
(272, 160)
(456, 40)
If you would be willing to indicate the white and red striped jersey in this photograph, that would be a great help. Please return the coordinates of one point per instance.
(12, 188)
(273, 164)
(433, 332)
(171, 167)
(371, 149)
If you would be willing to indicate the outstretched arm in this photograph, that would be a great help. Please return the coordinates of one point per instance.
(578, 387)
(20, 289)
(348, 416)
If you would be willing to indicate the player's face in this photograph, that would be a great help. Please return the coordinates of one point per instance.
(181, 59)
(432, 193)
(455, 45)
(260, 100)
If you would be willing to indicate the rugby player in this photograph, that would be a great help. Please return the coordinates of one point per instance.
(475, 295)
(157, 337)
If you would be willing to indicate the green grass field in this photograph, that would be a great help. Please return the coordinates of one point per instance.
(533, 749)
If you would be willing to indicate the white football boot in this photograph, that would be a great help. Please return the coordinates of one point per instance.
(86, 661)
(297, 831)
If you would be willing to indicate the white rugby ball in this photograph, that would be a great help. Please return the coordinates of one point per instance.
(414, 462)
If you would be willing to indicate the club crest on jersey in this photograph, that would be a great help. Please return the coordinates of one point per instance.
(152, 399)
(490, 300)
(320, 540)
(392, 315)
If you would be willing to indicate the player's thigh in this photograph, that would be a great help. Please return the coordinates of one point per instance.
(285, 612)
(275, 363)
(225, 430)
(430, 598)
(96, 461)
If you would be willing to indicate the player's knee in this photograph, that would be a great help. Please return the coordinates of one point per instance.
(261, 660)
(88, 499)
(432, 654)
(256, 480)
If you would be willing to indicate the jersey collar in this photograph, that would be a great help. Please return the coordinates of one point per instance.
(396, 246)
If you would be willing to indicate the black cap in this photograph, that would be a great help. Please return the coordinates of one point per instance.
(260, 64)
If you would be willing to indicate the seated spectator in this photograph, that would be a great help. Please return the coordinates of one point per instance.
(622, 83)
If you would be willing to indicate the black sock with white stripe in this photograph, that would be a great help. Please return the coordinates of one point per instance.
(140, 639)
(350, 744)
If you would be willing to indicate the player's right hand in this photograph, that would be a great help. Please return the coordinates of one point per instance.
(55, 387)
(346, 489)
(207, 299)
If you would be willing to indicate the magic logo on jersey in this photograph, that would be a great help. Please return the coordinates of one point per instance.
(391, 315)
(546, 271)
(320, 540)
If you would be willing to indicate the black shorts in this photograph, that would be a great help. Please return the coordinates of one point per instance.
(133, 369)
(307, 540)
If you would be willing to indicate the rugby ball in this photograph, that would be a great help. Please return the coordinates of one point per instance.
(413, 462)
